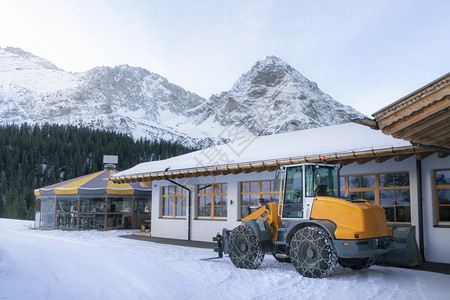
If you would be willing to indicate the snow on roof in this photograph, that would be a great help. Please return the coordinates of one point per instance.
(344, 138)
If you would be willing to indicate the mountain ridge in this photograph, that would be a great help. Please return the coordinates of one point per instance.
(270, 98)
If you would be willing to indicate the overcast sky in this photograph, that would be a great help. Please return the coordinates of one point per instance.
(366, 54)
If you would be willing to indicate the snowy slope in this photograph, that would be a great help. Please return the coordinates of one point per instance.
(271, 98)
(101, 265)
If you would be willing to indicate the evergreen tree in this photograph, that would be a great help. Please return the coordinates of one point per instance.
(11, 204)
(34, 156)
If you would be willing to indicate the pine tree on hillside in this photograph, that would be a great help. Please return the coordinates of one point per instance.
(33, 156)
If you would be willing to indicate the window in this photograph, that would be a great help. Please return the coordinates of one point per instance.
(442, 196)
(66, 213)
(362, 186)
(394, 197)
(320, 181)
(252, 191)
(174, 199)
(293, 200)
(47, 212)
(120, 213)
(92, 213)
(212, 201)
(390, 190)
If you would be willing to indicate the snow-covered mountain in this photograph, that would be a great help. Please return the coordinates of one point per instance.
(123, 99)
(272, 97)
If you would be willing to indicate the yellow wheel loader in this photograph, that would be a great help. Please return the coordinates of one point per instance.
(311, 227)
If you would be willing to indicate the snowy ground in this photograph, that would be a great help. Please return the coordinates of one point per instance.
(101, 265)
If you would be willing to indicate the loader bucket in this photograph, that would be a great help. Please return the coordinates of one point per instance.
(405, 252)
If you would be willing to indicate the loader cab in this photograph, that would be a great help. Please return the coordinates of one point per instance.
(302, 183)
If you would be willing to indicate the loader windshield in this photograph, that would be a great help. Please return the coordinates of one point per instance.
(321, 181)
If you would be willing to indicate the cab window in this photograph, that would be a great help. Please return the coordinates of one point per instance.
(321, 181)
(293, 193)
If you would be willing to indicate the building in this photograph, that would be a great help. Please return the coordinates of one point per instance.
(197, 194)
(93, 202)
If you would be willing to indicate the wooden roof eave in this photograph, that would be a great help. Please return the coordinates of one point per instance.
(422, 117)
(414, 101)
(362, 157)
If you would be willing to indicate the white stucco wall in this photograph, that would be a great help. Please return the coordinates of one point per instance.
(437, 239)
(168, 228)
(201, 230)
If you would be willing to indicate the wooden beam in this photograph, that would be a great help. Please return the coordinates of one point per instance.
(400, 157)
(272, 169)
(415, 117)
(225, 172)
(257, 165)
(429, 121)
(442, 154)
(364, 160)
(345, 162)
(234, 169)
(422, 155)
(428, 127)
(381, 159)
(147, 184)
(438, 137)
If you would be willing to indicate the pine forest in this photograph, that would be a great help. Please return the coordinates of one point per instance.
(34, 156)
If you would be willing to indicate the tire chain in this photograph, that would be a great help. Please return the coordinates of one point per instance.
(254, 254)
(324, 247)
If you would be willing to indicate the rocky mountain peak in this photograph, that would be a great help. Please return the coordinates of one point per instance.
(269, 72)
(271, 62)
(272, 97)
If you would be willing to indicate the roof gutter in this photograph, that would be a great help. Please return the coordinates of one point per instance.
(420, 208)
(272, 165)
(435, 148)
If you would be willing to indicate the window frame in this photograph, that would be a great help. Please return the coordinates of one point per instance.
(260, 193)
(377, 191)
(436, 204)
(212, 206)
(174, 206)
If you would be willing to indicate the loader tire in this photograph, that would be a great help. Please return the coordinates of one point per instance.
(312, 252)
(244, 248)
(357, 263)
